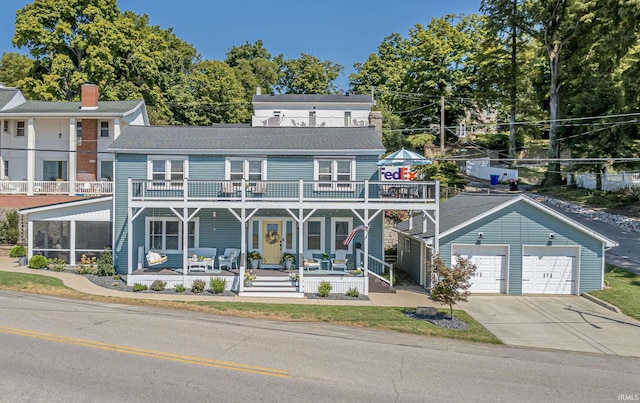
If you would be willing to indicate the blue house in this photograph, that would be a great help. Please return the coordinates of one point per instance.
(218, 191)
(518, 245)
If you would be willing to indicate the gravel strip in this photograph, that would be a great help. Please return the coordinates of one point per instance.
(441, 320)
(337, 297)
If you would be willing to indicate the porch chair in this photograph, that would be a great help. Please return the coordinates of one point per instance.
(228, 258)
(227, 188)
(309, 262)
(260, 188)
(340, 261)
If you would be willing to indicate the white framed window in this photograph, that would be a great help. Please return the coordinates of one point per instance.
(334, 175)
(312, 119)
(20, 128)
(6, 168)
(407, 245)
(314, 235)
(79, 132)
(347, 119)
(104, 129)
(340, 229)
(167, 168)
(106, 169)
(5, 126)
(165, 234)
(251, 170)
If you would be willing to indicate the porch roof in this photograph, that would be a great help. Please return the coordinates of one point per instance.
(44, 108)
(248, 140)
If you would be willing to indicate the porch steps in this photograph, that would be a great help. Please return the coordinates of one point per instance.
(273, 287)
(377, 285)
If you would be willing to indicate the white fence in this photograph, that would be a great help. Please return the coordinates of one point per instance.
(480, 168)
(610, 182)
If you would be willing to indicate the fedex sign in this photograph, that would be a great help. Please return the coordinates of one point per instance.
(397, 173)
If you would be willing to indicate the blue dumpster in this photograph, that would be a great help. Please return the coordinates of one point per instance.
(494, 179)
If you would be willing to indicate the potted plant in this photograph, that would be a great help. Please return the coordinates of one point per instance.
(249, 277)
(287, 260)
(20, 252)
(255, 258)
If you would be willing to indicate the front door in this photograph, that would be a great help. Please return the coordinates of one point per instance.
(272, 243)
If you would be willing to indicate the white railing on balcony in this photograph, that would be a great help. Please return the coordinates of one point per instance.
(57, 188)
(295, 191)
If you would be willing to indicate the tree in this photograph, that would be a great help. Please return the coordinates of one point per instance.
(449, 286)
(447, 172)
(308, 75)
(422, 140)
(14, 68)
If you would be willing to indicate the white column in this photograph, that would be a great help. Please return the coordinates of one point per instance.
(2, 173)
(300, 225)
(31, 156)
(185, 242)
(73, 156)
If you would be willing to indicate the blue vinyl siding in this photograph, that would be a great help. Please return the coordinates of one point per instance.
(206, 167)
(410, 261)
(521, 225)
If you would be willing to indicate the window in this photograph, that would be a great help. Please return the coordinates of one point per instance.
(54, 170)
(347, 119)
(167, 169)
(314, 235)
(104, 129)
(312, 119)
(340, 229)
(20, 128)
(106, 170)
(165, 233)
(79, 132)
(5, 126)
(250, 170)
(330, 172)
(6, 168)
(407, 245)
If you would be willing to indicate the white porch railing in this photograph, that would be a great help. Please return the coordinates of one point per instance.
(377, 268)
(610, 182)
(95, 188)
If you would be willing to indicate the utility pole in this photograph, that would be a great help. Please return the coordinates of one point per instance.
(442, 125)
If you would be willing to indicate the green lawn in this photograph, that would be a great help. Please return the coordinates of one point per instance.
(622, 289)
(387, 318)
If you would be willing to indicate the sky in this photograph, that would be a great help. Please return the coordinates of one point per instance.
(344, 32)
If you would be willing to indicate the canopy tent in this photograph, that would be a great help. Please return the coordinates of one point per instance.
(403, 157)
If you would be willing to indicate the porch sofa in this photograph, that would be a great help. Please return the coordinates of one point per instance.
(208, 253)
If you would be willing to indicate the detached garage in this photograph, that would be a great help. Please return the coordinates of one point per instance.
(518, 245)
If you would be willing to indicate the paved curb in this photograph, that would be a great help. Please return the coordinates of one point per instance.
(601, 303)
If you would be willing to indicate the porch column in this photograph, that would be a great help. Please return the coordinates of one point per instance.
(2, 173)
(300, 223)
(73, 155)
(243, 248)
(31, 156)
(365, 272)
(185, 243)
(130, 237)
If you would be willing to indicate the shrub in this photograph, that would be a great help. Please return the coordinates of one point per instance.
(218, 285)
(198, 286)
(116, 277)
(139, 287)
(87, 265)
(9, 228)
(180, 288)
(324, 289)
(353, 292)
(105, 264)
(158, 285)
(57, 264)
(38, 262)
(18, 251)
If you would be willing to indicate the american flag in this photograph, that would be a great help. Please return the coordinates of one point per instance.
(352, 234)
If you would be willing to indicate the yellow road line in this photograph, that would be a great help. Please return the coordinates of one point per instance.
(234, 366)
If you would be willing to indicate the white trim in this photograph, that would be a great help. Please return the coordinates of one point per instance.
(504, 286)
(336, 185)
(560, 250)
(334, 220)
(164, 219)
(321, 220)
(167, 169)
(39, 209)
(283, 221)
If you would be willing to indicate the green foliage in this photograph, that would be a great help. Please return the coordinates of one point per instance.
(308, 75)
(105, 264)
(451, 285)
(324, 289)
(18, 251)
(198, 286)
(352, 292)
(14, 67)
(158, 285)
(180, 288)
(57, 264)
(288, 257)
(38, 262)
(447, 172)
(217, 285)
(254, 255)
(9, 228)
(87, 265)
(139, 287)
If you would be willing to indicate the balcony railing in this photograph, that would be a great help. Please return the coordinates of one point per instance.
(294, 191)
(98, 188)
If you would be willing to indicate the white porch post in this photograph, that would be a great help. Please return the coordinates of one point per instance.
(243, 247)
(185, 241)
(366, 244)
(129, 234)
(300, 224)
(31, 156)
(2, 173)
(73, 156)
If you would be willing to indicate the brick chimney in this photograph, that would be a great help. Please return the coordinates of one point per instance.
(375, 120)
(89, 96)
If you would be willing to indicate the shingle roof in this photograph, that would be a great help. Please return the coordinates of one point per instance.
(284, 140)
(6, 95)
(317, 98)
(73, 108)
(458, 210)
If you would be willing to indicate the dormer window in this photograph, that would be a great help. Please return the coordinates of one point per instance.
(347, 119)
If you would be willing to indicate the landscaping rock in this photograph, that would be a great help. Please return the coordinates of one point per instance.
(426, 311)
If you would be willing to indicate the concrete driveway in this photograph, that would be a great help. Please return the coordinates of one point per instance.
(563, 323)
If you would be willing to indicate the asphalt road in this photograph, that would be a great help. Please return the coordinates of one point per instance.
(58, 350)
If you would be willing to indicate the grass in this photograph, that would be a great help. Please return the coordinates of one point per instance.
(384, 318)
(622, 290)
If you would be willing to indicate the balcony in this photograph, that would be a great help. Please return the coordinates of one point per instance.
(82, 188)
(390, 194)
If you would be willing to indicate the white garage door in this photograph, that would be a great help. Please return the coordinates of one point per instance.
(548, 270)
(491, 266)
